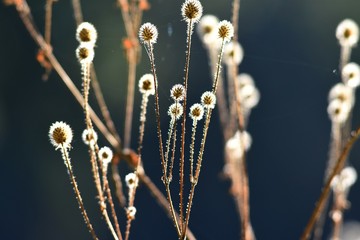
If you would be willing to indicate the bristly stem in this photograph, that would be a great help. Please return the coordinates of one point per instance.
(161, 148)
(192, 147)
(77, 192)
(182, 149)
(327, 187)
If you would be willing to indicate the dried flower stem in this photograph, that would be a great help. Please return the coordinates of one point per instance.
(77, 192)
(172, 154)
(327, 187)
(192, 147)
(48, 16)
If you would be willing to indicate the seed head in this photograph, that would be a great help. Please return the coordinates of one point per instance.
(146, 84)
(345, 179)
(105, 155)
(233, 53)
(86, 33)
(89, 137)
(206, 29)
(233, 147)
(347, 32)
(131, 212)
(342, 93)
(148, 33)
(249, 96)
(177, 92)
(191, 10)
(338, 111)
(60, 135)
(85, 53)
(196, 112)
(225, 30)
(131, 180)
(175, 111)
(208, 100)
(351, 75)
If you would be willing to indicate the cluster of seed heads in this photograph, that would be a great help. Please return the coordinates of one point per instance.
(86, 35)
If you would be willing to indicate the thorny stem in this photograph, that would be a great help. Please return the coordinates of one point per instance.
(172, 153)
(218, 68)
(161, 149)
(327, 187)
(192, 146)
(182, 150)
(168, 142)
(77, 192)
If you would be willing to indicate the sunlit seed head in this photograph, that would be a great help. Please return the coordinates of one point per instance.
(105, 155)
(342, 93)
(338, 111)
(196, 112)
(345, 179)
(249, 96)
(148, 33)
(89, 137)
(85, 53)
(208, 100)
(131, 212)
(233, 53)
(60, 135)
(86, 32)
(131, 180)
(206, 29)
(347, 32)
(146, 84)
(225, 30)
(191, 10)
(234, 146)
(244, 79)
(175, 111)
(177, 92)
(351, 75)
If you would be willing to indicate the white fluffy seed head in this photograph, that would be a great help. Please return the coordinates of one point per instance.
(206, 29)
(175, 111)
(191, 10)
(351, 74)
(345, 179)
(342, 93)
(208, 100)
(148, 33)
(347, 32)
(89, 137)
(233, 53)
(105, 155)
(85, 53)
(196, 112)
(177, 92)
(86, 33)
(60, 135)
(131, 212)
(225, 30)
(147, 84)
(338, 111)
(233, 147)
(249, 96)
(131, 180)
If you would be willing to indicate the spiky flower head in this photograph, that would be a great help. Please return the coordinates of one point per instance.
(175, 111)
(105, 155)
(347, 32)
(338, 111)
(131, 212)
(148, 33)
(89, 137)
(196, 112)
(191, 10)
(85, 53)
(177, 92)
(146, 84)
(131, 180)
(233, 53)
(225, 30)
(86, 33)
(206, 29)
(351, 75)
(208, 100)
(60, 135)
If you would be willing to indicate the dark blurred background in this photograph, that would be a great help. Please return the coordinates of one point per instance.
(290, 50)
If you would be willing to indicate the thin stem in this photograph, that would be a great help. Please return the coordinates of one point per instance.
(218, 67)
(192, 147)
(77, 192)
(235, 18)
(171, 167)
(48, 16)
(161, 149)
(118, 185)
(168, 141)
(327, 187)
